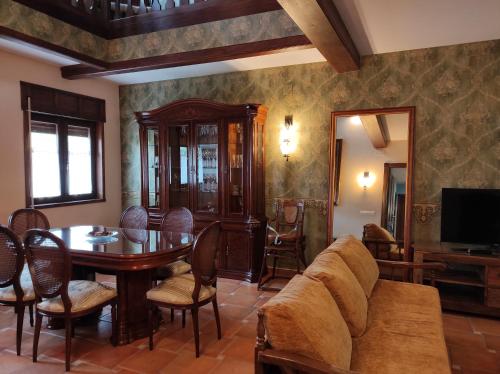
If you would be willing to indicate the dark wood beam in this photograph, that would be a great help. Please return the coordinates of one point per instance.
(322, 24)
(28, 40)
(231, 52)
(193, 14)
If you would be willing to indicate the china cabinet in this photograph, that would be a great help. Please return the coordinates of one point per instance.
(209, 158)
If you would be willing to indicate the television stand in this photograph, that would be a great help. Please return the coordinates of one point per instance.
(471, 283)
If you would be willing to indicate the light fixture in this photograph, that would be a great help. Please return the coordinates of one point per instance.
(288, 142)
(366, 180)
(356, 120)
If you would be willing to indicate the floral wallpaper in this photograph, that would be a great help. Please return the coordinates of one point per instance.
(263, 26)
(456, 92)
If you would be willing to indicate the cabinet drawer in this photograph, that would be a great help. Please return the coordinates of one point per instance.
(493, 299)
(494, 276)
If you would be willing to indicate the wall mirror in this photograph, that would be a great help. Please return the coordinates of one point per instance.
(371, 179)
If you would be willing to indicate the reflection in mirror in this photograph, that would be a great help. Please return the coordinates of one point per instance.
(369, 177)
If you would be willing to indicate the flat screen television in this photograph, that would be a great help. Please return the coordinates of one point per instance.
(470, 216)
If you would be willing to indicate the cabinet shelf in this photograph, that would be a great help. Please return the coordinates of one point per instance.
(465, 278)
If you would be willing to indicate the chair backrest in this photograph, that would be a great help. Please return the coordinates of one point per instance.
(49, 262)
(290, 214)
(134, 217)
(23, 220)
(11, 260)
(178, 220)
(204, 256)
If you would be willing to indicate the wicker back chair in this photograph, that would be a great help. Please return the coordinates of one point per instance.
(134, 217)
(57, 295)
(16, 288)
(23, 220)
(191, 291)
(178, 220)
(284, 239)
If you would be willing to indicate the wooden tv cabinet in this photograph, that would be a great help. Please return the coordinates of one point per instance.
(471, 282)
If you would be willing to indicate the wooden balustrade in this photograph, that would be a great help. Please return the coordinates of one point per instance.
(119, 9)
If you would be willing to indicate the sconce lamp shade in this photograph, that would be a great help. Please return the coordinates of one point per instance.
(288, 140)
(366, 180)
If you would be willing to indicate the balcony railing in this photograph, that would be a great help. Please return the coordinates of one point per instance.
(118, 9)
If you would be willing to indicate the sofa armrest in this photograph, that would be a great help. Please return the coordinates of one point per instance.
(292, 363)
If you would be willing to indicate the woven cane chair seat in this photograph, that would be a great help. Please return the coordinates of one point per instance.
(83, 294)
(8, 294)
(179, 291)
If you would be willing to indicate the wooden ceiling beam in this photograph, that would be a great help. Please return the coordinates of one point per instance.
(375, 130)
(322, 24)
(216, 54)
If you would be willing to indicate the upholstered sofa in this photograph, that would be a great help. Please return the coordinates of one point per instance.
(338, 317)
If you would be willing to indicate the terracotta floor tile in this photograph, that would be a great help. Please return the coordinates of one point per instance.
(464, 339)
(493, 342)
(109, 356)
(457, 322)
(485, 325)
(232, 366)
(186, 363)
(241, 349)
(146, 361)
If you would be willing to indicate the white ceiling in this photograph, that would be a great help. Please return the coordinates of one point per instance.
(397, 126)
(381, 26)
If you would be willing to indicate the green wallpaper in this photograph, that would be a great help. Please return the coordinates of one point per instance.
(456, 91)
(263, 26)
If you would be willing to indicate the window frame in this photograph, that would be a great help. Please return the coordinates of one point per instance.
(63, 124)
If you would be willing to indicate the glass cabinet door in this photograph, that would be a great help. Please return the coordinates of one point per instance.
(153, 154)
(235, 160)
(178, 176)
(207, 164)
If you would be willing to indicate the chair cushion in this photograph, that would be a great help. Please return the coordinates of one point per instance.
(330, 269)
(375, 232)
(359, 260)
(8, 294)
(404, 332)
(304, 319)
(83, 294)
(179, 290)
(172, 270)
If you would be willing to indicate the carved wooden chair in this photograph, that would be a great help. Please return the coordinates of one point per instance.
(16, 288)
(191, 291)
(285, 239)
(56, 295)
(134, 217)
(23, 220)
(382, 244)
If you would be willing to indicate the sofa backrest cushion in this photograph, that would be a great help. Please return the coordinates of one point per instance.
(359, 259)
(304, 319)
(329, 268)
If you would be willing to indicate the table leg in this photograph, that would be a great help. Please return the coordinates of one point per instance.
(132, 321)
(418, 274)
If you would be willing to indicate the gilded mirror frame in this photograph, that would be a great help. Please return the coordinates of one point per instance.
(332, 188)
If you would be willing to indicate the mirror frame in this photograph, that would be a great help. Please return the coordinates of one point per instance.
(332, 190)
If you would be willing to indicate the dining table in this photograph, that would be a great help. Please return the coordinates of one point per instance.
(131, 255)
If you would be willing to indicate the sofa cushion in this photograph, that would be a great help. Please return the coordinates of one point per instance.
(304, 319)
(359, 260)
(404, 333)
(329, 268)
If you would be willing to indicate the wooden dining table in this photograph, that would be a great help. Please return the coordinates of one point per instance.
(131, 255)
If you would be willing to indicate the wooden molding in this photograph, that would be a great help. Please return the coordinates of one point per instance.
(25, 39)
(322, 24)
(231, 52)
(375, 131)
(200, 12)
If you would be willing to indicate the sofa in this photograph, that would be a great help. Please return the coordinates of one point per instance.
(339, 317)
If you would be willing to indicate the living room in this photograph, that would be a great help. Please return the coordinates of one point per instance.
(332, 115)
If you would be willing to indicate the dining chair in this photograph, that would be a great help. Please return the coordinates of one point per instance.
(193, 290)
(57, 296)
(176, 220)
(16, 288)
(23, 220)
(134, 217)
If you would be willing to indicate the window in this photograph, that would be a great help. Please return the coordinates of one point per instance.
(63, 161)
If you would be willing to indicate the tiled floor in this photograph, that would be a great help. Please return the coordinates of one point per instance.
(474, 343)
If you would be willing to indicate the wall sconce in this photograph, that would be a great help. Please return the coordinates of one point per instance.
(288, 140)
(366, 180)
